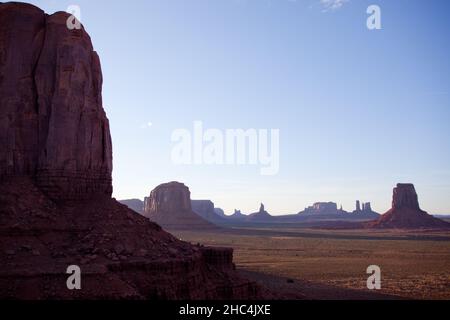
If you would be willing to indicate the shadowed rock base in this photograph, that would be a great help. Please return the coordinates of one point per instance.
(121, 254)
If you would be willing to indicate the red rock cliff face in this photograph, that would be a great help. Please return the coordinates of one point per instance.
(169, 197)
(55, 183)
(54, 128)
(405, 196)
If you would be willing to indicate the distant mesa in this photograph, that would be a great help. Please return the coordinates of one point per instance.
(321, 208)
(169, 205)
(330, 211)
(220, 212)
(237, 215)
(206, 210)
(134, 204)
(406, 213)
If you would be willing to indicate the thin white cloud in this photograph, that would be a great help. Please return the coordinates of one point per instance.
(331, 5)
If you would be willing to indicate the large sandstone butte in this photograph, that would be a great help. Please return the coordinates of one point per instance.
(169, 205)
(55, 183)
(53, 126)
(406, 213)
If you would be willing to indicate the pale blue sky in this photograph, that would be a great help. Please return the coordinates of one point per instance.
(358, 110)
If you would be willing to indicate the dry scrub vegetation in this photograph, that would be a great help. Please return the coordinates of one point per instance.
(418, 269)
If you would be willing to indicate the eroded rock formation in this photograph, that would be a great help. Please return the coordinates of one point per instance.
(206, 210)
(169, 205)
(54, 128)
(260, 216)
(134, 204)
(406, 213)
(405, 196)
(365, 212)
(203, 207)
(55, 183)
(325, 208)
(220, 212)
(168, 197)
(237, 215)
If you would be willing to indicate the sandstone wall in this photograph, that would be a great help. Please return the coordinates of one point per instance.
(54, 128)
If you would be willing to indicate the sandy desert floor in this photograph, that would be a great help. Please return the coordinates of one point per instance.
(331, 264)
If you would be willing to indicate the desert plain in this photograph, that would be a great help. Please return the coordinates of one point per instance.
(331, 264)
